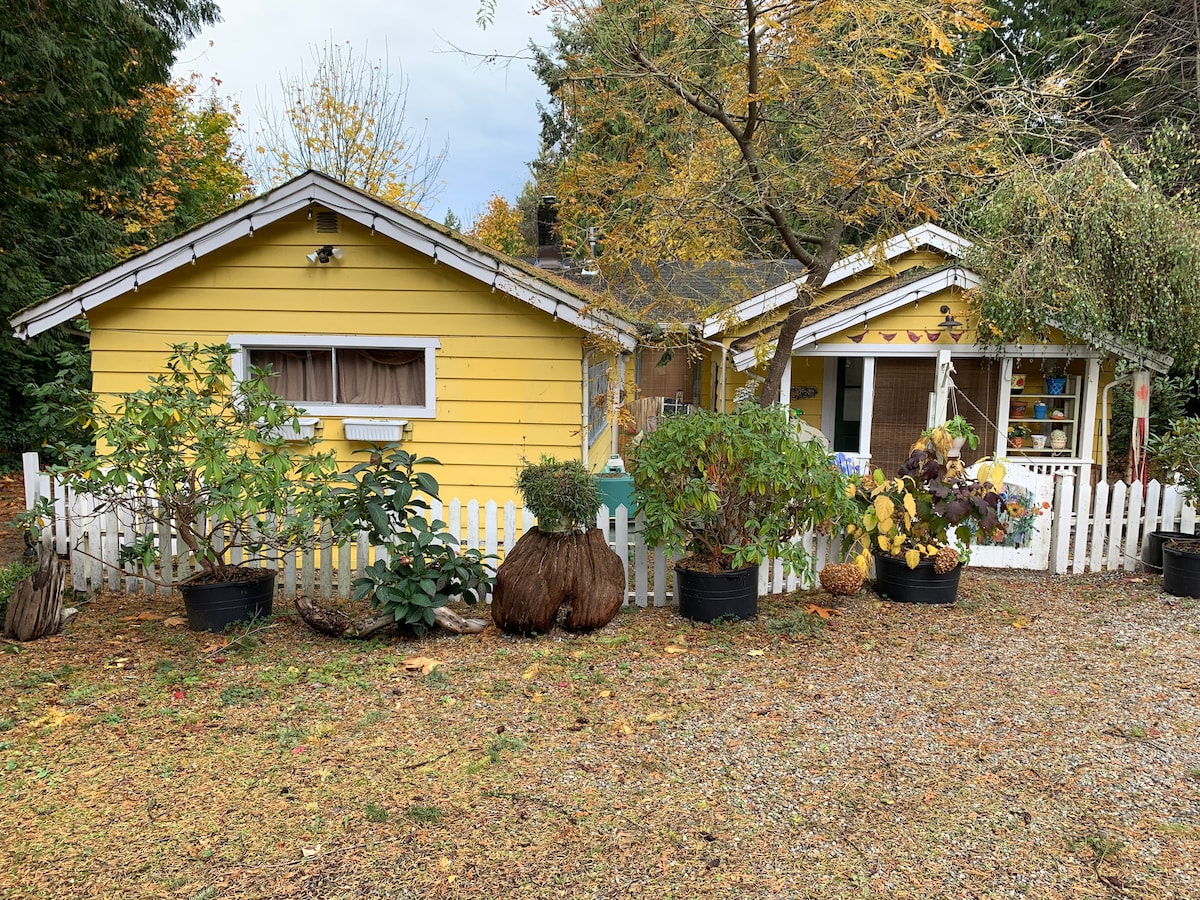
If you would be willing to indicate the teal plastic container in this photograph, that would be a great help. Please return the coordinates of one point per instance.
(616, 490)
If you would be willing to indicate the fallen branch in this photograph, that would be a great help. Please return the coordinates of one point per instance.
(336, 623)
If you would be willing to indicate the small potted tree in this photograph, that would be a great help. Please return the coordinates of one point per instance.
(1177, 453)
(908, 524)
(564, 560)
(188, 452)
(729, 490)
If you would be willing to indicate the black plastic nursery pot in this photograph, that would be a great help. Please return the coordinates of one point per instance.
(709, 596)
(1181, 570)
(896, 581)
(1152, 553)
(214, 606)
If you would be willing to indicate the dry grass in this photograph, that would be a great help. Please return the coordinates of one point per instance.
(1040, 739)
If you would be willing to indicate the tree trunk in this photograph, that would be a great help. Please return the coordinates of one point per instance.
(798, 312)
(35, 608)
(337, 624)
(545, 571)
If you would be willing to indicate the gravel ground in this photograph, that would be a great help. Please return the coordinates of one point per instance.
(1038, 739)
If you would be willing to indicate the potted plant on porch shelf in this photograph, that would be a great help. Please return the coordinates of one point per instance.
(1177, 453)
(730, 490)
(908, 524)
(188, 452)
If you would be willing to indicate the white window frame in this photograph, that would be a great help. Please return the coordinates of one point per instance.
(243, 342)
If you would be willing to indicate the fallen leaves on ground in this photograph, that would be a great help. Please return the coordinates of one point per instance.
(906, 751)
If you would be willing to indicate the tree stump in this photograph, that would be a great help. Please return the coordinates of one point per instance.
(35, 608)
(544, 571)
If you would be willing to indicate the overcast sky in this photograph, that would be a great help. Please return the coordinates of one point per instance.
(487, 114)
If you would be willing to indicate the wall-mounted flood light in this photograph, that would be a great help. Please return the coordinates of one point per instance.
(324, 254)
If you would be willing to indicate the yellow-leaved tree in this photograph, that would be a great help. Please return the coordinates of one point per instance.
(348, 121)
(499, 226)
(196, 169)
(725, 129)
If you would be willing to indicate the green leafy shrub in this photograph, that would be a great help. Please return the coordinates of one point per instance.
(1177, 454)
(734, 488)
(425, 569)
(199, 436)
(562, 494)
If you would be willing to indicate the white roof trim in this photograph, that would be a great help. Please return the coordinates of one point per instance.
(870, 309)
(927, 235)
(313, 188)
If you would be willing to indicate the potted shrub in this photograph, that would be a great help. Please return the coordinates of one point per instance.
(564, 560)
(729, 490)
(1017, 433)
(1177, 453)
(909, 525)
(195, 437)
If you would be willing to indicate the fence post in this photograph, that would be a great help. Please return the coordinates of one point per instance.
(1060, 537)
(1133, 534)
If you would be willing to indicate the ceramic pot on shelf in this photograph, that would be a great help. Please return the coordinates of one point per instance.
(1058, 439)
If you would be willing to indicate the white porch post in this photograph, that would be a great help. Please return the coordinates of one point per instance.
(785, 385)
(617, 392)
(868, 407)
(1087, 420)
(1141, 425)
(1006, 374)
(941, 390)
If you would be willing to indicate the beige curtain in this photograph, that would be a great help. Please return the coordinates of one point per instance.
(298, 375)
(381, 377)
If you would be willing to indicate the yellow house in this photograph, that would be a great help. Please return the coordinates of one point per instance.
(890, 348)
(381, 324)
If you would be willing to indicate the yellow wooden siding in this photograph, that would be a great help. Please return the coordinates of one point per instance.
(809, 371)
(508, 376)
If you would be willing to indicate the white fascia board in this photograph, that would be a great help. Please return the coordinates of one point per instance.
(927, 235)
(161, 260)
(307, 190)
(871, 309)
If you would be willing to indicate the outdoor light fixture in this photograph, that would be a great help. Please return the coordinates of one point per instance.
(324, 254)
(950, 323)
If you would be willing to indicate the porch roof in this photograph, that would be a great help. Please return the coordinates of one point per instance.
(881, 298)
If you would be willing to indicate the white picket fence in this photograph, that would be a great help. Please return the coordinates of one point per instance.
(93, 543)
(1088, 531)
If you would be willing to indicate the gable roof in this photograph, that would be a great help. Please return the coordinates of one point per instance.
(927, 235)
(442, 245)
(869, 303)
(879, 299)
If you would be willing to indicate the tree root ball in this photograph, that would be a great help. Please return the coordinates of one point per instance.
(546, 571)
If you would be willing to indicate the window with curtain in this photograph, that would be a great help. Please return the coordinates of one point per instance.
(395, 377)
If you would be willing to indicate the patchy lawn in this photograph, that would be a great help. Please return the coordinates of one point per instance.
(1041, 739)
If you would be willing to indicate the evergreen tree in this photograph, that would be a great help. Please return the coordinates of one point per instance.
(74, 156)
